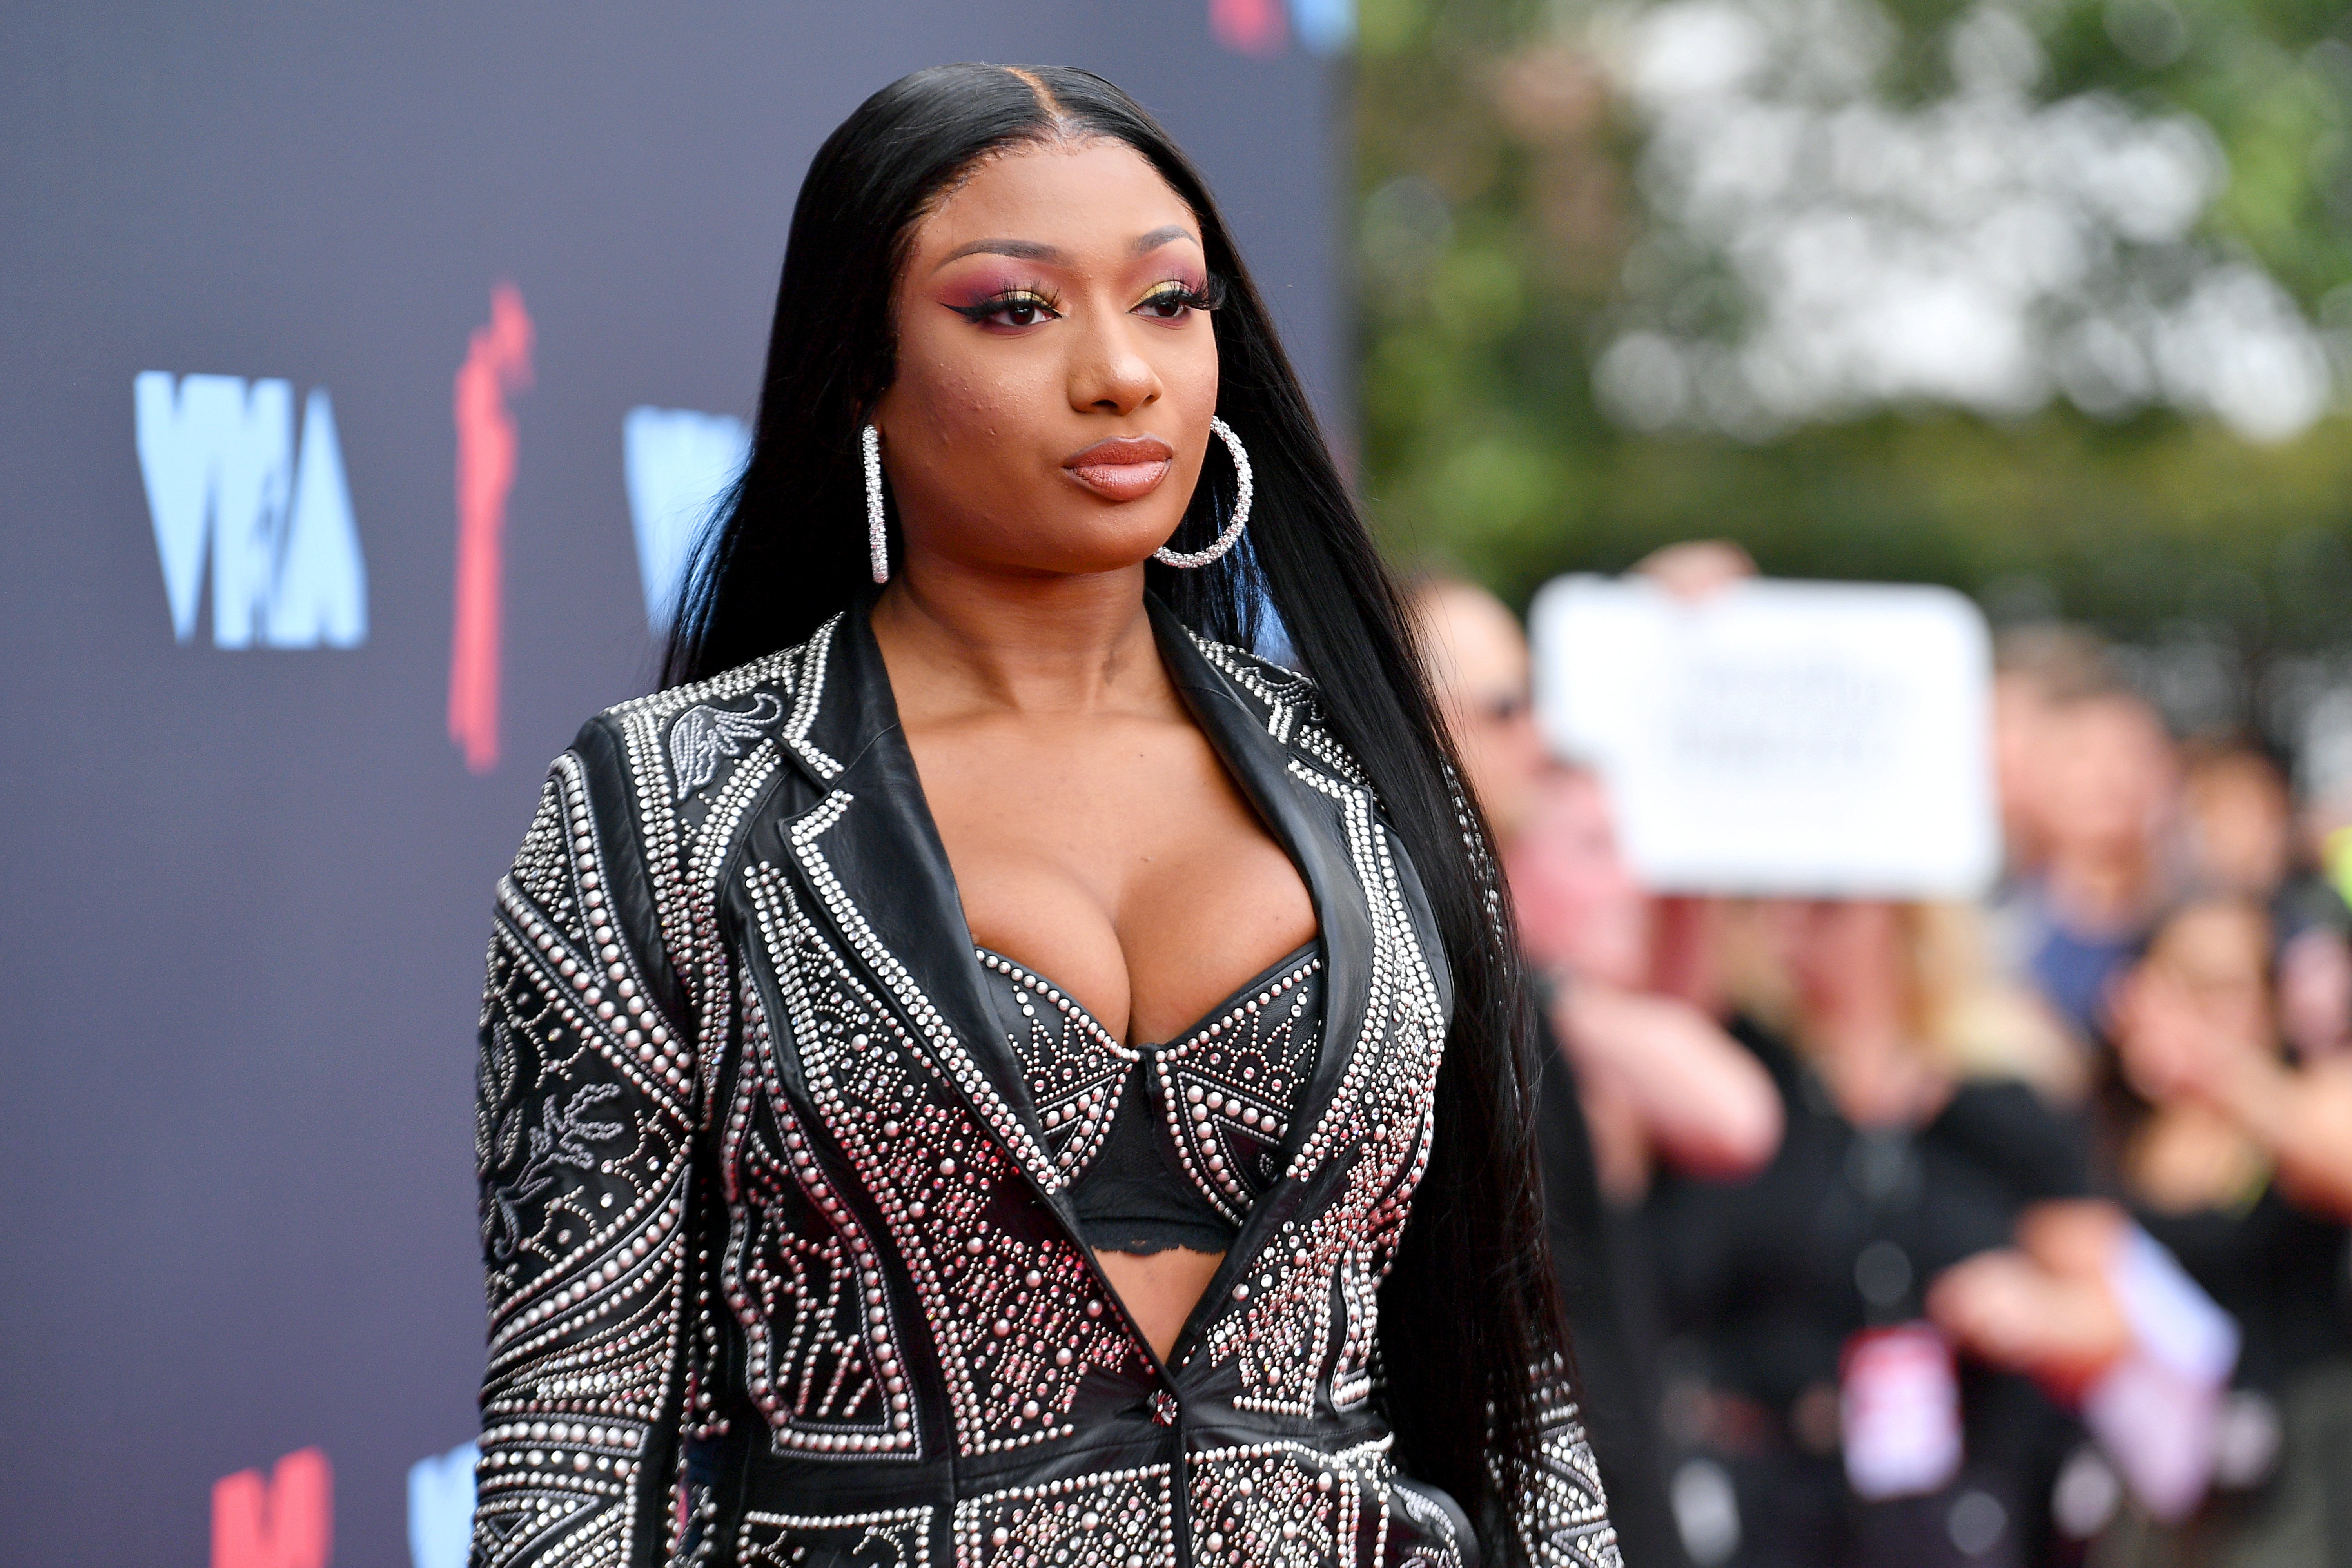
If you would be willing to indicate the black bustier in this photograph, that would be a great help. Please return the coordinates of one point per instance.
(1175, 1153)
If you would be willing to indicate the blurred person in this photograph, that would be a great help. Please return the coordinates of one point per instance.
(2036, 669)
(2315, 990)
(2105, 799)
(2233, 1160)
(2241, 836)
(1693, 1093)
(2227, 1113)
(1850, 1434)
(2104, 1319)
(1660, 1079)
(2237, 821)
(2237, 1160)
(819, 1224)
(1478, 663)
(2314, 980)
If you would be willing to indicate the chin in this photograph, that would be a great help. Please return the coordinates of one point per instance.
(1092, 550)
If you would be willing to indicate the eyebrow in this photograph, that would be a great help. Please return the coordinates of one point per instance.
(1032, 250)
(1026, 249)
(1159, 236)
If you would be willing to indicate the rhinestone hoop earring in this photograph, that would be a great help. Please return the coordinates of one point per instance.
(877, 531)
(1244, 490)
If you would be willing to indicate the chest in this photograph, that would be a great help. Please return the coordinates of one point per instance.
(1127, 864)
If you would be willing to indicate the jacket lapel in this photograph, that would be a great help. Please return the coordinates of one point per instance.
(1309, 824)
(871, 860)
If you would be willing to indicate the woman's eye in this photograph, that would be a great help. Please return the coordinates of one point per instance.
(1009, 311)
(1019, 313)
(1170, 302)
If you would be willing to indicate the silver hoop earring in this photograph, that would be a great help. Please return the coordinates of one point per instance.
(877, 531)
(1244, 490)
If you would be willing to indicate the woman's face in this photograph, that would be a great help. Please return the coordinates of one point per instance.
(1056, 369)
(2218, 954)
(2242, 826)
(2199, 1003)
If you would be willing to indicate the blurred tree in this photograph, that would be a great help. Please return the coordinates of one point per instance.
(2048, 300)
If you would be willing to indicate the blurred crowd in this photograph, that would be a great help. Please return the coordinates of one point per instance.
(1899, 1234)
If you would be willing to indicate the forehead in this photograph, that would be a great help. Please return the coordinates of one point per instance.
(1077, 196)
(2238, 779)
(2119, 719)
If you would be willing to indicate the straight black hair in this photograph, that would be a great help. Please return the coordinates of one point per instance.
(1469, 1310)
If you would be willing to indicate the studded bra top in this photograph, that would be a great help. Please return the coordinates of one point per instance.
(1166, 1145)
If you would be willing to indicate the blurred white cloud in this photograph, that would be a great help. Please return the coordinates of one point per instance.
(1824, 250)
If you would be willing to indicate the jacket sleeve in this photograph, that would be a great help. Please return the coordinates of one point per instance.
(1562, 1513)
(584, 1127)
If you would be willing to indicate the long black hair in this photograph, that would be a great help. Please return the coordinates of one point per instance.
(1469, 1307)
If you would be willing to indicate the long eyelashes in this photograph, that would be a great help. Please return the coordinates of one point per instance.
(1018, 307)
(1026, 306)
(1170, 298)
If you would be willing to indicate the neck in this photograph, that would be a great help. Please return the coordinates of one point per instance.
(1034, 643)
(1863, 1049)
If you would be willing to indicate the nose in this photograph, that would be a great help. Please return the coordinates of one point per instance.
(1109, 373)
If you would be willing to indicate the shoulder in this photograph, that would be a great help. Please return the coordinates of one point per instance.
(1772, 1051)
(671, 746)
(1287, 701)
(2002, 1105)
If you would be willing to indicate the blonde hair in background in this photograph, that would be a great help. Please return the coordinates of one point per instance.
(1970, 1021)
(1976, 1023)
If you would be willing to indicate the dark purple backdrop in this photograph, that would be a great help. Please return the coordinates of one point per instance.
(247, 892)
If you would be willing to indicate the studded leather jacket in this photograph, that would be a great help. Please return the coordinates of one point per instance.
(782, 1267)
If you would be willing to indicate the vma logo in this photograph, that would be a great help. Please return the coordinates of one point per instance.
(224, 479)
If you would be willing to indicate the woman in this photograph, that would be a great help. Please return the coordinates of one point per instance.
(959, 1064)
(1825, 1388)
(2240, 1164)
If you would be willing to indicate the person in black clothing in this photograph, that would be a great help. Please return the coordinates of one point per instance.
(1681, 1090)
(1892, 1169)
(1614, 1340)
(2234, 1159)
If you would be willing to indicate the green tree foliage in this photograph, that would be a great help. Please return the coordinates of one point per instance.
(1509, 231)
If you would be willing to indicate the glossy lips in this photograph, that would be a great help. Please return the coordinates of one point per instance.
(1126, 467)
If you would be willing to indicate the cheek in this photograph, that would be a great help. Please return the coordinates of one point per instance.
(949, 391)
(956, 397)
(1188, 370)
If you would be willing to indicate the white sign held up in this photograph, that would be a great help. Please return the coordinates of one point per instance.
(1780, 737)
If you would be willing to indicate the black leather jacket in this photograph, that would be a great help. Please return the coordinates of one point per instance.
(780, 1269)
